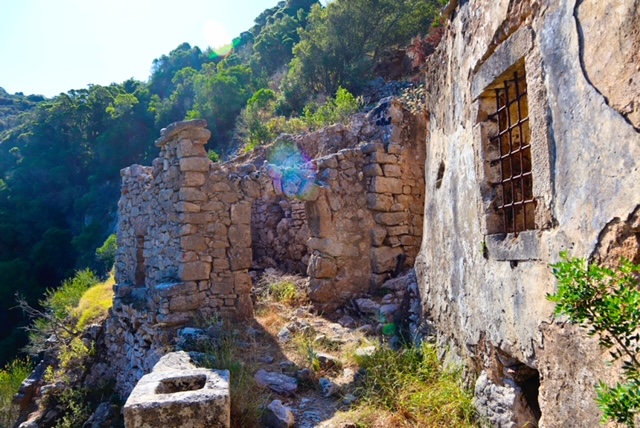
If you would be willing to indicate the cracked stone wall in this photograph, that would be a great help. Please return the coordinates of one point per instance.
(486, 292)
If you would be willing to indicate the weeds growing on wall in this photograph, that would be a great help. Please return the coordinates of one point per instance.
(606, 302)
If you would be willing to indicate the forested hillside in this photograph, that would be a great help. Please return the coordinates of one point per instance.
(60, 158)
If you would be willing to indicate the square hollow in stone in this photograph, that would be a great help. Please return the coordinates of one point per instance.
(192, 398)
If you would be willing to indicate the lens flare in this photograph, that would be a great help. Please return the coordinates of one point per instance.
(295, 174)
(217, 37)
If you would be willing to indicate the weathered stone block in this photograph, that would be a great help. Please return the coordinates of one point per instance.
(169, 289)
(392, 219)
(240, 258)
(384, 259)
(322, 267)
(241, 213)
(379, 201)
(394, 148)
(243, 283)
(377, 236)
(189, 398)
(381, 157)
(221, 265)
(195, 164)
(372, 170)
(240, 235)
(186, 148)
(329, 246)
(193, 243)
(218, 186)
(372, 147)
(194, 271)
(185, 303)
(392, 170)
(386, 185)
(218, 230)
(229, 197)
(398, 230)
(215, 206)
(191, 195)
(322, 290)
(192, 179)
(195, 218)
(187, 207)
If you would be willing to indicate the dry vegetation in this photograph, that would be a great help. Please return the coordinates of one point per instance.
(379, 387)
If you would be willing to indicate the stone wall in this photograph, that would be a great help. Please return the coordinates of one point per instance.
(486, 291)
(191, 233)
(366, 223)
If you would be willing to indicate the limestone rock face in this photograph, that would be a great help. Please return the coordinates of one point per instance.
(610, 51)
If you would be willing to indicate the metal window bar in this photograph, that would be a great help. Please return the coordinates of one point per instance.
(513, 139)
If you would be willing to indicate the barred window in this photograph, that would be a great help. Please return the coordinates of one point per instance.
(511, 151)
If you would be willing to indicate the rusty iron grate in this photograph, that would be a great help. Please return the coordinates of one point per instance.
(514, 142)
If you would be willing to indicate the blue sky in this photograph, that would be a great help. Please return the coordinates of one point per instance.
(52, 46)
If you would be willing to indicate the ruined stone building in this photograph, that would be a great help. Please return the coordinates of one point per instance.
(529, 146)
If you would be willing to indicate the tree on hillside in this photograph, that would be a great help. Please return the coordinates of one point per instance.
(343, 41)
(165, 67)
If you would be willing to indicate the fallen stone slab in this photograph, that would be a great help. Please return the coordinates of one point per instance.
(187, 398)
(280, 383)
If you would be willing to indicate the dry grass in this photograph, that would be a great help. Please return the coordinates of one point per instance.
(400, 389)
(94, 304)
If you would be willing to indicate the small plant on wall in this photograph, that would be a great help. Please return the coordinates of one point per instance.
(607, 302)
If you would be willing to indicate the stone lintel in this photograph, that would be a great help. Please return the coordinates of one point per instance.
(510, 52)
(166, 134)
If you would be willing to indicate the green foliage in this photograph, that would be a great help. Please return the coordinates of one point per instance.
(344, 40)
(63, 300)
(335, 110)
(284, 292)
(606, 301)
(213, 156)
(412, 383)
(77, 408)
(107, 252)
(11, 377)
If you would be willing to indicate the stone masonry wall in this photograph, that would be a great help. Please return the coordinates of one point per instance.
(190, 230)
(366, 223)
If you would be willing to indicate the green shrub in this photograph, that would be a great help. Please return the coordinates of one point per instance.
(56, 318)
(107, 252)
(335, 110)
(63, 300)
(11, 377)
(607, 302)
(412, 384)
(284, 292)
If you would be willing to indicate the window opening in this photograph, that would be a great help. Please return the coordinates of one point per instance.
(513, 139)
